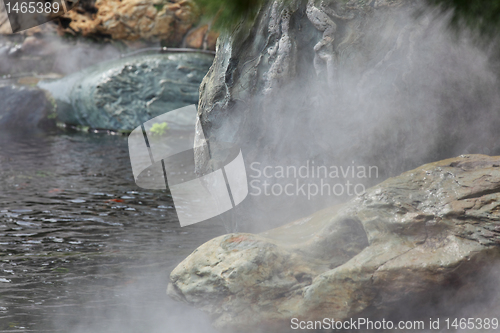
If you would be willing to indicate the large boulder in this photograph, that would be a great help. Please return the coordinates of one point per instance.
(122, 94)
(428, 237)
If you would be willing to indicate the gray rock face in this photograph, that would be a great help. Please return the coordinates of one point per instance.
(25, 109)
(122, 94)
(401, 246)
(339, 81)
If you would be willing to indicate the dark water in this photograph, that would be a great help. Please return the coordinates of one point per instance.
(82, 248)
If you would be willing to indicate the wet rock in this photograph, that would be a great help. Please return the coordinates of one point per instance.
(398, 248)
(25, 109)
(122, 94)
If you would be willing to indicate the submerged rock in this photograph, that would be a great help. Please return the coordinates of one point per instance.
(122, 94)
(427, 236)
(25, 109)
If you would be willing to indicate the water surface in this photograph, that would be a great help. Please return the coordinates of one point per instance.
(82, 248)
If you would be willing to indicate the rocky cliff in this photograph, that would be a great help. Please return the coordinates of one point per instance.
(423, 244)
(380, 83)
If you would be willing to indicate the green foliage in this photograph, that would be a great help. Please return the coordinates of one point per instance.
(158, 7)
(227, 14)
(159, 129)
(481, 16)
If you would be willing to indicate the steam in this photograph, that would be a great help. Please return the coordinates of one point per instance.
(476, 296)
(123, 289)
(404, 91)
(49, 53)
(110, 297)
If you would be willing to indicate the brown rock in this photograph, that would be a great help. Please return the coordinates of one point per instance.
(212, 40)
(80, 23)
(202, 38)
(135, 19)
(195, 38)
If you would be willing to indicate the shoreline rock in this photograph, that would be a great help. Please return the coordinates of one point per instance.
(124, 93)
(426, 237)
